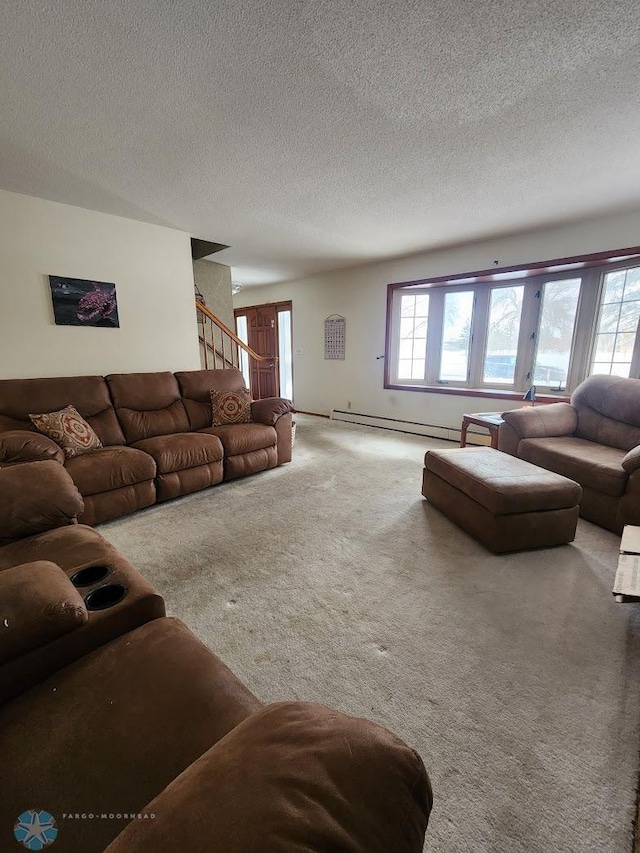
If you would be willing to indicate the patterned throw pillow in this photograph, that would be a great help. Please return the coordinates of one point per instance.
(68, 429)
(231, 407)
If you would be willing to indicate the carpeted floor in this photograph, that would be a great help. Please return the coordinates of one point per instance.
(331, 579)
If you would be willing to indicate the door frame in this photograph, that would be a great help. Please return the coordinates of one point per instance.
(283, 305)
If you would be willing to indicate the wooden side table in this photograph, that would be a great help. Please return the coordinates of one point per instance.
(489, 420)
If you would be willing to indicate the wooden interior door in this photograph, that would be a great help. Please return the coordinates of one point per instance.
(262, 332)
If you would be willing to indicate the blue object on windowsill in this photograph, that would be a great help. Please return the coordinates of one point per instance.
(530, 396)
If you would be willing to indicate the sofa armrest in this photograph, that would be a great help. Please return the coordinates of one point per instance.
(34, 497)
(544, 421)
(20, 445)
(631, 461)
(268, 411)
(38, 604)
(292, 777)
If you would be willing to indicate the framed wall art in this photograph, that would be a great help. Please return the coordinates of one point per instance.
(79, 302)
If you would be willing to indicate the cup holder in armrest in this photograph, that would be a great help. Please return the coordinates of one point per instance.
(105, 596)
(90, 575)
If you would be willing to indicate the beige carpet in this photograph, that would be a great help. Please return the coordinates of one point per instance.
(331, 579)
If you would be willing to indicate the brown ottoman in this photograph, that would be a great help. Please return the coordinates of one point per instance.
(504, 502)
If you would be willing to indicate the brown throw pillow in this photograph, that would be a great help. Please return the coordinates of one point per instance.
(231, 407)
(68, 429)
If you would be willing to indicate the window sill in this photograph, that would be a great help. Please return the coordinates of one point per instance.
(496, 393)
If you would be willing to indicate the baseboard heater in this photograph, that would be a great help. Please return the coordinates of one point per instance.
(412, 427)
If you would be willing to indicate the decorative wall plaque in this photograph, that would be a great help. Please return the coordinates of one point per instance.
(334, 334)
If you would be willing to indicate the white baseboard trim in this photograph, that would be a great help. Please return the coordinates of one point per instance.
(411, 427)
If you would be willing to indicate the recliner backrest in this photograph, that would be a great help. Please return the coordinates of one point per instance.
(147, 404)
(196, 387)
(608, 410)
(20, 398)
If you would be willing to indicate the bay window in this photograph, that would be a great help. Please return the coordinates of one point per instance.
(509, 330)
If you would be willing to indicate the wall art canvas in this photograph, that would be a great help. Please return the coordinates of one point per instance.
(78, 302)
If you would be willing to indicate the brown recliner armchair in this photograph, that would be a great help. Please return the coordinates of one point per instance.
(145, 741)
(594, 440)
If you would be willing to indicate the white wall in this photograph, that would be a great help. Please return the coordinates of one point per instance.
(150, 265)
(360, 295)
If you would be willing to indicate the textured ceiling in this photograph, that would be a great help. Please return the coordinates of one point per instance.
(313, 134)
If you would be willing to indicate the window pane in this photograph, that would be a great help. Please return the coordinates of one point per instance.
(456, 336)
(609, 318)
(404, 369)
(629, 313)
(620, 369)
(286, 361)
(617, 327)
(604, 347)
(613, 286)
(422, 305)
(632, 286)
(623, 350)
(555, 335)
(406, 349)
(412, 343)
(417, 371)
(406, 328)
(407, 305)
(420, 327)
(242, 332)
(505, 309)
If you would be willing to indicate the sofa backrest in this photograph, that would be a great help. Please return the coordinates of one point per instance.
(609, 411)
(20, 398)
(196, 387)
(147, 404)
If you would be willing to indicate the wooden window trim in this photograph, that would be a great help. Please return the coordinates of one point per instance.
(462, 391)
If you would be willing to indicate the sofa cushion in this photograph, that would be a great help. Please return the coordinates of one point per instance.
(147, 404)
(608, 410)
(230, 407)
(594, 466)
(68, 429)
(89, 394)
(182, 450)
(110, 468)
(243, 438)
(195, 387)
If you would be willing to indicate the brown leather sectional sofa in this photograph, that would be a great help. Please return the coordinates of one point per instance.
(121, 724)
(158, 442)
(594, 440)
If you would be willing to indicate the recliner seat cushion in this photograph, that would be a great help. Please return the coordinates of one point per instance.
(243, 438)
(182, 450)
(110, 468)
(594, 466)
(148, 404)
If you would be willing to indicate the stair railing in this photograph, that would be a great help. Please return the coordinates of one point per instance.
(220, 347)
